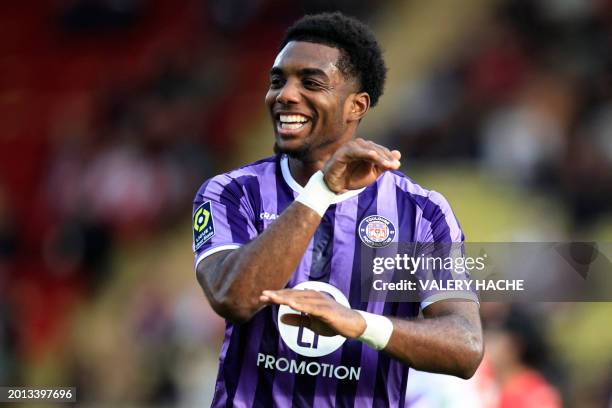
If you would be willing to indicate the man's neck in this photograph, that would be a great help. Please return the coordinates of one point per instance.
(302, 170)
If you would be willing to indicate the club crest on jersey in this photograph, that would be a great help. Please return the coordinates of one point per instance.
(203, 226)
(376, 231)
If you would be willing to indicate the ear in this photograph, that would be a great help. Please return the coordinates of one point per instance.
(358, 106)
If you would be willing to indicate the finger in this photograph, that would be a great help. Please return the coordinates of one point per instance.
(312, 295)
(385, 151)
(384, 163)
(311, 305)
(307, 301)
(361, 142)
(290, 291)
(276, 298)
(367, 154)
(281, 294)
(308, 322)
(293, 294)
(271, 296)
(382, 150)
(308, 308)
(302, 305)
(354, 151)
(389, 162)
(387, 154)
(297, 306)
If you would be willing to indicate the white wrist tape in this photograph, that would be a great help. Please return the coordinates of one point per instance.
(316, 194)
(378, 330)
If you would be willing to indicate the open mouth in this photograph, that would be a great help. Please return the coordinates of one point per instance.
(291, 123)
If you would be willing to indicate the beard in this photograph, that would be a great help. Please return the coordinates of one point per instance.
(299, 154)
(303, 152)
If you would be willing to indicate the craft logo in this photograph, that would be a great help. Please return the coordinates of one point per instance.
(376, 231)
(203, 226)
(303, 340)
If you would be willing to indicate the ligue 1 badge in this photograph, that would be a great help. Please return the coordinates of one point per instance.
(203, 226)
(376, 231)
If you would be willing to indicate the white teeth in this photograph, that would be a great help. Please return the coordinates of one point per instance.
(293, 118)
(291, 126)
(292, 122)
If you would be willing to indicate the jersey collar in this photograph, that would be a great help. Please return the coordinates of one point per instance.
(295, 186)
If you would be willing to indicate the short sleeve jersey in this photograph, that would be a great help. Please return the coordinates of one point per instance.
(265, 363)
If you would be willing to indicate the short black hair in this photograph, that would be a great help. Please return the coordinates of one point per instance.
(360, 53)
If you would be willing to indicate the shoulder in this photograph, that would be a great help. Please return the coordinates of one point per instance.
(434, 209)
(233, 181)
(407, 188)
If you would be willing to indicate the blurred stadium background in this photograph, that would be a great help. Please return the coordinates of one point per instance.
(113, 112)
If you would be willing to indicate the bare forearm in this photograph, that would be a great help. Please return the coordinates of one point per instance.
(233, 282)
(446, 344)
(267, 262)
(448, 341)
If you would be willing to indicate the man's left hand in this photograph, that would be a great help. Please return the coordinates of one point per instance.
(323, 315)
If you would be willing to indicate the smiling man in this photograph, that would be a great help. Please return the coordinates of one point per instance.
(278, 243)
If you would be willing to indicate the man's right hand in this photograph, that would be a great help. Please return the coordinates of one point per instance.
(357, 164)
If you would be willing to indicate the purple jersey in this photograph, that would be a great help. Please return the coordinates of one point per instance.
(265, 362)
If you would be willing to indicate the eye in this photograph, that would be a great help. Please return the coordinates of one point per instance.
(311, 84)
(276, 82)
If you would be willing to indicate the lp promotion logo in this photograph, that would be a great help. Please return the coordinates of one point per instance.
(303, 340)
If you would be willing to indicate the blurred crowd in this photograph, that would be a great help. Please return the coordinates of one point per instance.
(118, 110)
(528, 94)
(119, 114)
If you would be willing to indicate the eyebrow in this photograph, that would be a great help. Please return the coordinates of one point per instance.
(301, 72)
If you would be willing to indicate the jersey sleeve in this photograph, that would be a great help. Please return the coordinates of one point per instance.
(222, 217)
(441, 241)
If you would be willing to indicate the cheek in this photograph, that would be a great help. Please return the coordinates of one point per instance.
(339, 115)
(334, 113)
(270, 97)
(347, 106)
(339, 109)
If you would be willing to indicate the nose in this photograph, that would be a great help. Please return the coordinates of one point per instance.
(289, 93)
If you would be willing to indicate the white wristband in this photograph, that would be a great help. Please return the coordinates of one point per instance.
(316, 194)
(378, 330)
